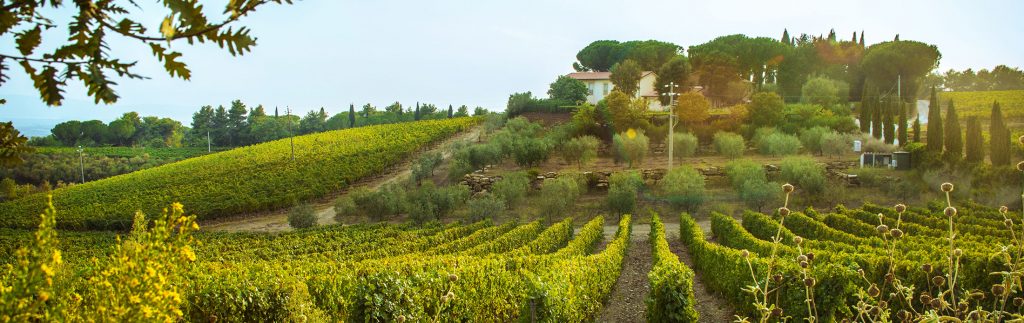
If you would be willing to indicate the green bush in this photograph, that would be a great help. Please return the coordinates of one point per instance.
(424, 166)
(742, 170)
(835, 144)
(621, 199)
(580, 150)
(684, 187)
(484, 208)
(302, 216)
(629, 178)
(558, 195)
(429, 203)
(777, 144)
(758, 194)
(729, 144)
(631, 146)
(805, 173)
(382, 204)
(512, 187)
(811, 138)
(344, 206)
(684, 144)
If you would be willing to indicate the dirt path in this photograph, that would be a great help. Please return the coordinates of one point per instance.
(712, 307)
(278, 220)
(626, 303)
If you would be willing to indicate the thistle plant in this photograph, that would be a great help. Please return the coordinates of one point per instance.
(762, 288)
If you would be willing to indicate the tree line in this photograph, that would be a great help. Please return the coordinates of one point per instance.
(729, 68)
(235, 125)
(1000, 78)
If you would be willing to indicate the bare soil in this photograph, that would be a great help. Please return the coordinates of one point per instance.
(626, 302)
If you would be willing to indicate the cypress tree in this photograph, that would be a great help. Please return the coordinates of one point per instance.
(901, 131)
(934, 124)
(449, 111)
(861, 39)
(917, 130)
(897, 38)
(854, 39)
(954, 136)
(889, 125)
(975, 142)
(785, 37)
(999, 137)
(275, 112)
(351, 115)
(416, 115)
(865, 113)
(832, 35)
(876, 118)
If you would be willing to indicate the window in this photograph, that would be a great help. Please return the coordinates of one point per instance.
(605, 88)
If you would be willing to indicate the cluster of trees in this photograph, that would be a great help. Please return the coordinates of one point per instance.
(730, 67)
(128, 130)
(239, 125)
(1000, 78)
(945, 137)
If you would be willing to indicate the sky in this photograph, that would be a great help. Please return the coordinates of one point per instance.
(332, 53)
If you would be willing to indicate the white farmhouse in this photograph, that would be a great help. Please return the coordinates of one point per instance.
(600, 85)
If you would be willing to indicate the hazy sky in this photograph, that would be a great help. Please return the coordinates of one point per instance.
(329, 53)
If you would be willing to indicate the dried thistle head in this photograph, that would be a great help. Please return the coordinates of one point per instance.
(788, 188)
(883, 229)
(949, 211)
(896, 233)
(946, 187)
(900, 208)
(873, 291)
(745, 253)
(1020, 166)
(453, 277)
(801, 258)
(927, 268)
(777, 278)
(784, 211)
(809, 281)
(1017, 301)
(1003, 209)
(958, 252)
(798, 240)
(1021, 140)
(998, 289)
(401, 318)
(938, 281)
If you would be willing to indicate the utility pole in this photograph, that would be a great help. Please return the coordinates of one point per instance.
(209, 144)
(81, 162)
(671, 118)
(291, 134)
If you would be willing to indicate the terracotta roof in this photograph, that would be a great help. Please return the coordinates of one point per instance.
(591, 75)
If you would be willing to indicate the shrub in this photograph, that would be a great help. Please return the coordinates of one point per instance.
(343, 207)
(757, 193)
(379, 205)
(429, 203)
(743, 170)
(835, 144)
(558, 195)
(302, 216)
(871, 144)
(424, 166)
(729, 144)
(631, 146)
(684, 187)
(805, 173)
(486, 207)
(623, 188)
(529, 152)
(580, 150)
(777, 144)
(811, 138)
(684, 144)
(621, 199)
(512, 187)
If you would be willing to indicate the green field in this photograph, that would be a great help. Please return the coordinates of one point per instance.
(980, 103)
(249, 179)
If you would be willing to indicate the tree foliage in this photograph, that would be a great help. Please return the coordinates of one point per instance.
(692, 109)
(906, 61)
(766, 110)
(568, 89)
(626, 77)
(631, 146)
(953, 138)
(580, 150)
(13, 146)
(86, 55)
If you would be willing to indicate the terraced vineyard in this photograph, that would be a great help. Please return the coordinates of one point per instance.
(849, 255)
(250, 179)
